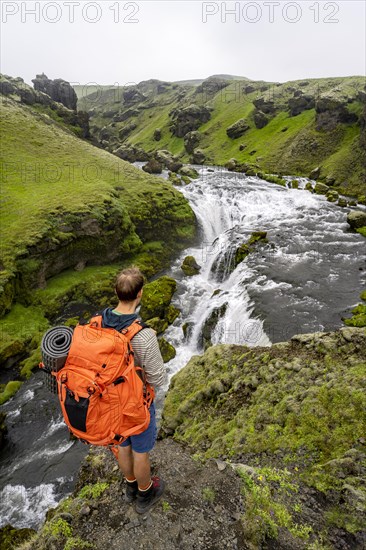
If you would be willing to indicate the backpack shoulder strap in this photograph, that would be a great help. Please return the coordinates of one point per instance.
(134, 328)
(96, 320)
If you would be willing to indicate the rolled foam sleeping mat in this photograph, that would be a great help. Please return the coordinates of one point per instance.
(55, 346)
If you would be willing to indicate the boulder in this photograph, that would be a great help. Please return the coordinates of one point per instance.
(342, 202)
(131, 154)
(237, 129)
(156, 297)
(59, 90)
(189, 171)
(314, 174)
(231, 164)
(191, 141)
(190, 266)
(188, 119)
(167, 350)
(260, 120)
(356, 218)
(157, 324)
(126, 130)
(153, 167)
(320, 188)
(198, 157)
(210, 325)
(157, 134)
(167, 159)
(267, 107)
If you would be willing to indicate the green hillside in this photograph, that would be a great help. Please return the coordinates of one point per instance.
(290, 128)
(68, 208)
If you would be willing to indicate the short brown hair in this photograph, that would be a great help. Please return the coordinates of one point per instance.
(129, 283)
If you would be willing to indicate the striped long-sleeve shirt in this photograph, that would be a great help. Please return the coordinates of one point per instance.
(147, 355)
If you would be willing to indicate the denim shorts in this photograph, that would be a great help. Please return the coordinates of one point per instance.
(145, 441)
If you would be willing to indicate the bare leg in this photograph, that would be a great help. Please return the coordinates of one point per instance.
(125, 461)
(141, 468)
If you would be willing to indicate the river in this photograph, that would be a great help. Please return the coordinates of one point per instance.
(309, 274)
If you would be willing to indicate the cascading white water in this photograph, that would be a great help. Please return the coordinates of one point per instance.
(305, 234)
(310, 273)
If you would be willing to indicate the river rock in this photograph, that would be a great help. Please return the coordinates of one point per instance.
(342, 202)
(153, 167)
(237, 129)
(157, 324)
(198, 157)
(189, 171)
(320, 188)
(314, 174)
(167, 159)
(190, 266)
(167, 350)
(356, 218)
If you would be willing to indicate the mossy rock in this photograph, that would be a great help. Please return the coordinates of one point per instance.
(189, 171)
(320, 188)
(362, 231)
(295, 184)
(190, 266)
(11, 538)
(342, 202)
(186, 180)
(356, 219)
(156, 297)
(174, 178)
(309, 187)
(10, 389)
(167, 350)
(157, 324)
(171, 314)
(243, 251)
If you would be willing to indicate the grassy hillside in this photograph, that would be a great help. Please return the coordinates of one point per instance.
(292, 418)
(68, 208)
(294, 127)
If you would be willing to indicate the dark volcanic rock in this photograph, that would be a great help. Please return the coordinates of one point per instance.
(191, 141)
(300, 102)
(260, 120)
(133, 95)
(153, 167)
(59, 90)
(188, 119)
(267, 107)
(238, 128)
(330, 111)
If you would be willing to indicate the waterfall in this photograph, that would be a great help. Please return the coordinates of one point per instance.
(309, 274)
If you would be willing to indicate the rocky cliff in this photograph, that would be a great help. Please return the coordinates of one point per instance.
(270, 127)
(263, 448)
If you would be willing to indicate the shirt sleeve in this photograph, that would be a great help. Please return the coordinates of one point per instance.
(147, 355)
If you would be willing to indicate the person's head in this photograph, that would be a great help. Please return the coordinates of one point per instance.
(129, 284)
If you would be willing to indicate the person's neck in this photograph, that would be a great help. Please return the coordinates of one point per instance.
(126, 307)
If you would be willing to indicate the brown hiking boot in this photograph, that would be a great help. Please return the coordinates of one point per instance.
(146, 499)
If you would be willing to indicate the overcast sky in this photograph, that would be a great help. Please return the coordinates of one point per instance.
(110, 42)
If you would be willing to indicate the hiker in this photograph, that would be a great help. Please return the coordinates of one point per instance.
(133, 453)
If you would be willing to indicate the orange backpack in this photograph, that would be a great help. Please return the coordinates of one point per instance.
(104, 397)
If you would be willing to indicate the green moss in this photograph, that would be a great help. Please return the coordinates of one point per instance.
(10, 389)
(93, 491)
(167, 350)
(362, 231)
(156, 297)
(225, 403)
(57, 527)
(209, 494)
